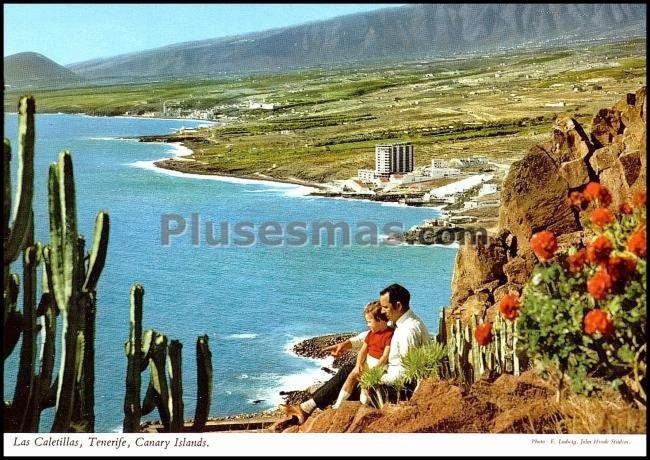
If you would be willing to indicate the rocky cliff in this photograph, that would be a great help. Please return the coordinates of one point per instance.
(534, 198)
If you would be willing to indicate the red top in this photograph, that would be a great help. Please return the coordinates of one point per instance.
(378, 341)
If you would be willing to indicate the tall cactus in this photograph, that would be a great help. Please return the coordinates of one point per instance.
(133, 350)
(74, 292)
(152, 350)
(65, 279)
(17, 233)
(176, 386)
(468, 360)
(204, 383)
(67, 287)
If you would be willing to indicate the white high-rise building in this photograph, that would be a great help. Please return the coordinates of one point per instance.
(393, 158)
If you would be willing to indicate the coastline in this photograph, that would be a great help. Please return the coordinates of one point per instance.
(181, 164)
(310, 348)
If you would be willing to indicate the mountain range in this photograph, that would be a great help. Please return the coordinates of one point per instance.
(411, 31)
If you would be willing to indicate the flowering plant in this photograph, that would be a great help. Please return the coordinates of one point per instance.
(583, 312)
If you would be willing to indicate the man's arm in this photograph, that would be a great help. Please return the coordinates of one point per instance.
(338, 349)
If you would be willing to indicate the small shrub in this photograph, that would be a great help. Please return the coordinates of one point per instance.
(370, 380)
(423, 362)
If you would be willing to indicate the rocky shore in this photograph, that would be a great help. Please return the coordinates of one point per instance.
(309, 348)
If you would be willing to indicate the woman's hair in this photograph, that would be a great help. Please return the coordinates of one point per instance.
(374, 309)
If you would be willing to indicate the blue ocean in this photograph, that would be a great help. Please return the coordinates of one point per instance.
(253, 300)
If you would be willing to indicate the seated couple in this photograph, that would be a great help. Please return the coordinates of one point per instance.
(409, 332)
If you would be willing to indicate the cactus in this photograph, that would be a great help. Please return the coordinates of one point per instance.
(67, 288)
(65, 265)
(26, 377)
(204, 383)
(176, 386)
(476, 350)
(467, 361)
(165, 388)
(48, 309)
(13, 318)
(133, 350)
(160, 389)
(17, 233)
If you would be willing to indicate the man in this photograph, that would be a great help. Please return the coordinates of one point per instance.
(410, 332)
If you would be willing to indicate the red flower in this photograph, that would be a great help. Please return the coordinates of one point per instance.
(599, 249)
(620, 268)
(543, 245)
(625, 208)
(598, 321)
(599, 285)
(577, 260)
(636, 243)
(509, 306)
(595, 191)
(639, 199)
(578, 200)
(600, 217)
(483, 333)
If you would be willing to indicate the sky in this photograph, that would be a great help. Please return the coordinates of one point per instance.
(70, 33)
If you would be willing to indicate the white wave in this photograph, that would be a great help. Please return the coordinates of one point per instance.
(150, 166)
(453, 245)
(112, 139)
(300, 191)
(274, 384)
(270, 190)
(296, 191)
(241, 336)
(288, 349)
(393, 204)
(177, 149)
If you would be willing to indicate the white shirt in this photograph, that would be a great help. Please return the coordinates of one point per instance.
(410, 331)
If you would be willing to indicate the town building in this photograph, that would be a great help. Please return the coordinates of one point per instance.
(439, 168)
(367, 175)
(469, 161)
(252, 105)
(393, 158)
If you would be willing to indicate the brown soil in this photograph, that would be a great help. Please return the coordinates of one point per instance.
(506, 404)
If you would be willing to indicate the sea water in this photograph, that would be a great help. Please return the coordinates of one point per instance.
(253, 301)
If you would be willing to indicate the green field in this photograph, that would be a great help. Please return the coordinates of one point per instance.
(327, 122)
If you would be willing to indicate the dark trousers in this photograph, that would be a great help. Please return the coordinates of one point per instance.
(330, 390)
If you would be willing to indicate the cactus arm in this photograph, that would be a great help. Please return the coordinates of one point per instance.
(88, 377)
(6, 181)
(70, 308)
(69, 220)
(159, 378)
(150, 401)
(54, 256)
(25, 379)
(98, 251)
(133, 349)
(203, 382)
(6, 212)
(176, 383)
(25, 183)
(13, 318)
